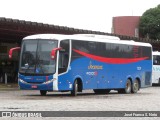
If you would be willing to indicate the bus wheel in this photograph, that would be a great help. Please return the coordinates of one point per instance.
(135, 86)
(43, 92)
(128, 86)
(75, 89)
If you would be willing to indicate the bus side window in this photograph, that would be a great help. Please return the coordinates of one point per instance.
(63, 56)
(155, 60)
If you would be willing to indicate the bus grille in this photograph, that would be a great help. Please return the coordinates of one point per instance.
(35, 82)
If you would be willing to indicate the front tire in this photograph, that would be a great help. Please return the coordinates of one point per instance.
(135, 86)
(127, 89)
(75, 88)
(43, 92)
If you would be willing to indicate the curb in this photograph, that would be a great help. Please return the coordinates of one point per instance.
(9, 87)
(3, 89)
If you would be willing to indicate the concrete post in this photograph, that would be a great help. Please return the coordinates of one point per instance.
(5, 78)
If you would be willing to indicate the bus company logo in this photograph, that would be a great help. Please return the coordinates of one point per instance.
(21, 114)
(28, 78)
(6, 114)
(98, 67)
(92, 73)
(156, 68)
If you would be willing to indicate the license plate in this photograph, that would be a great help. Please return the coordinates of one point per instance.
(34, 86)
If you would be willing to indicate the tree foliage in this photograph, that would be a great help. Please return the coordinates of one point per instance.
(150, 23)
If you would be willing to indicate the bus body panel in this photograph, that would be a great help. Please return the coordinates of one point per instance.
(156, 74)
(109, 76)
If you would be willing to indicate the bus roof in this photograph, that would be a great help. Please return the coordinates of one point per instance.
(99, 36)
(89, 37)
(156, 53)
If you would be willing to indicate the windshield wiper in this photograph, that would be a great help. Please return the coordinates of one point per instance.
(29, 58)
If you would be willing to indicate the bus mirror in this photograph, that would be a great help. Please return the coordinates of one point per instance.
(11, 51)
(53, 52)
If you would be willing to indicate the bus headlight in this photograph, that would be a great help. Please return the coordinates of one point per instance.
(22, 81)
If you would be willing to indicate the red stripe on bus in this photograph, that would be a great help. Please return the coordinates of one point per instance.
(111, 60)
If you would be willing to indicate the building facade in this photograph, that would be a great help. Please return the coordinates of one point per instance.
(126, 25)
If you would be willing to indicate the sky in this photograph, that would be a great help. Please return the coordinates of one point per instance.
(83, 14)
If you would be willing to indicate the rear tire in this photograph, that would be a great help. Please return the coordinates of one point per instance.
(75, 89)
(128, 87)
(135, 86)
(43, 92)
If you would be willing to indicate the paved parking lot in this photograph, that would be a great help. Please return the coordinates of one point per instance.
(146, 99)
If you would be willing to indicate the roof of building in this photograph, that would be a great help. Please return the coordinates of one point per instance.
(13, 30)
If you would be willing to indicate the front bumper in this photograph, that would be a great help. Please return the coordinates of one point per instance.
(36, 86)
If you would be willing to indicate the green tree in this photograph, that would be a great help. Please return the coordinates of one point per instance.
(149, 25)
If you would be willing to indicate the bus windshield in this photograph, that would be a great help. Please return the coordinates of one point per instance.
(156, 59)
(35, 57)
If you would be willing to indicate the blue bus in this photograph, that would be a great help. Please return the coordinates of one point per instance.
(53, 62)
